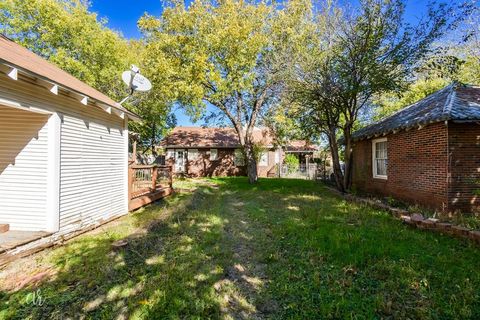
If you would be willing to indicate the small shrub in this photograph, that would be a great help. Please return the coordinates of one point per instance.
(291, 162)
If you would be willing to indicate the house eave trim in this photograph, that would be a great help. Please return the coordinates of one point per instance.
(53, 87)
(16, 105)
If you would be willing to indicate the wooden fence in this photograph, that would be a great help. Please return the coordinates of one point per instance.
(147, 183)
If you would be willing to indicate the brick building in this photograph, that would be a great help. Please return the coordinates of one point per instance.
(427, 153)
(200, 152)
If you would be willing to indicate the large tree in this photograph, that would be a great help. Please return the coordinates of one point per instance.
(455, 58)
(66, 33)
(229, 55)
(353, 56)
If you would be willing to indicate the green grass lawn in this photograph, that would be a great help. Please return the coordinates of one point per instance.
(280, 249)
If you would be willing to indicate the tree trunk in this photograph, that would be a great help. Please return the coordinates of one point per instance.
(251, 164)
(347, 177)
(154, 152)
(337, 169)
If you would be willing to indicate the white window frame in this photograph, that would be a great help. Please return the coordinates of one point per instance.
(170, 154)
(374, 162)
(184, 158)
(213, 154)
(192, 154)
(263, 161)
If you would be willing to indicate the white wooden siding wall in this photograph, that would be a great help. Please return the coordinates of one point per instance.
(92, 178)
(93, 160)
(23, 169)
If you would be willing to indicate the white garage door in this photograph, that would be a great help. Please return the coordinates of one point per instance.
(92, 177)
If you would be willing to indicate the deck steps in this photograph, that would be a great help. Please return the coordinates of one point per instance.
(4, 227)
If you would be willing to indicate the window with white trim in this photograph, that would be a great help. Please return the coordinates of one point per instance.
(213, 154)
(239, 159)
(380, 158)
(192, 154)
(263, 159)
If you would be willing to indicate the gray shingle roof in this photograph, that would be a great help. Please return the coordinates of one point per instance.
(457, 102)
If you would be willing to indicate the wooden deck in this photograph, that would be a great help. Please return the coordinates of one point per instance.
(148, 183)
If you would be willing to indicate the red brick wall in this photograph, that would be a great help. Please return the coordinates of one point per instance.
(464, 147)
(417, 167)
(224, 165)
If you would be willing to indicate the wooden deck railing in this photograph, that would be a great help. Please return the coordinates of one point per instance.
(148, 183)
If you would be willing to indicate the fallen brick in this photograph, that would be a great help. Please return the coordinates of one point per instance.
(426, 224)
(460, 231)
(119, 243)
(417, 218)
(443, 226)
(475, 235)
(398, 212)
(407, 220)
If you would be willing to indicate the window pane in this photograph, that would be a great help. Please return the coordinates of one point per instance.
(264, 159)
(382, 148)
(192, 154)
(213, 154)
(380, 158)
(381, 167)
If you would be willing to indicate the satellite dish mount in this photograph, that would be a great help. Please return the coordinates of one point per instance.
(135, 81)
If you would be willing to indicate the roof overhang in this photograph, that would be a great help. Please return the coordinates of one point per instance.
(406, 127)
(13, 72)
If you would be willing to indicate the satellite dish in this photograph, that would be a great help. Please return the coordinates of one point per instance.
(135, 81)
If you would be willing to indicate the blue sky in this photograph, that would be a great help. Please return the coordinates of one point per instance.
(123, 15)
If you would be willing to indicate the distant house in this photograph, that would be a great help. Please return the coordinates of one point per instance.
(427, 153)
(63, 148)
(197, 152)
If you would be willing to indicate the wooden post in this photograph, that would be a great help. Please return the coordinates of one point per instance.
(130, 182)
(134, 152)
(154, 177)
(170, 176)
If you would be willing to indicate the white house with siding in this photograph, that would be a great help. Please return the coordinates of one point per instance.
(63, 147)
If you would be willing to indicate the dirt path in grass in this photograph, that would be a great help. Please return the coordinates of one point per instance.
(245, 280)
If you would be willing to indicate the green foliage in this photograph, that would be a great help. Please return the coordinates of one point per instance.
(292, 162)
(258, 151)
(67, 34)
(390, 102)
(282, 249)
(351, 57)
(209, 53)
(451, 61)
(229, 54)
